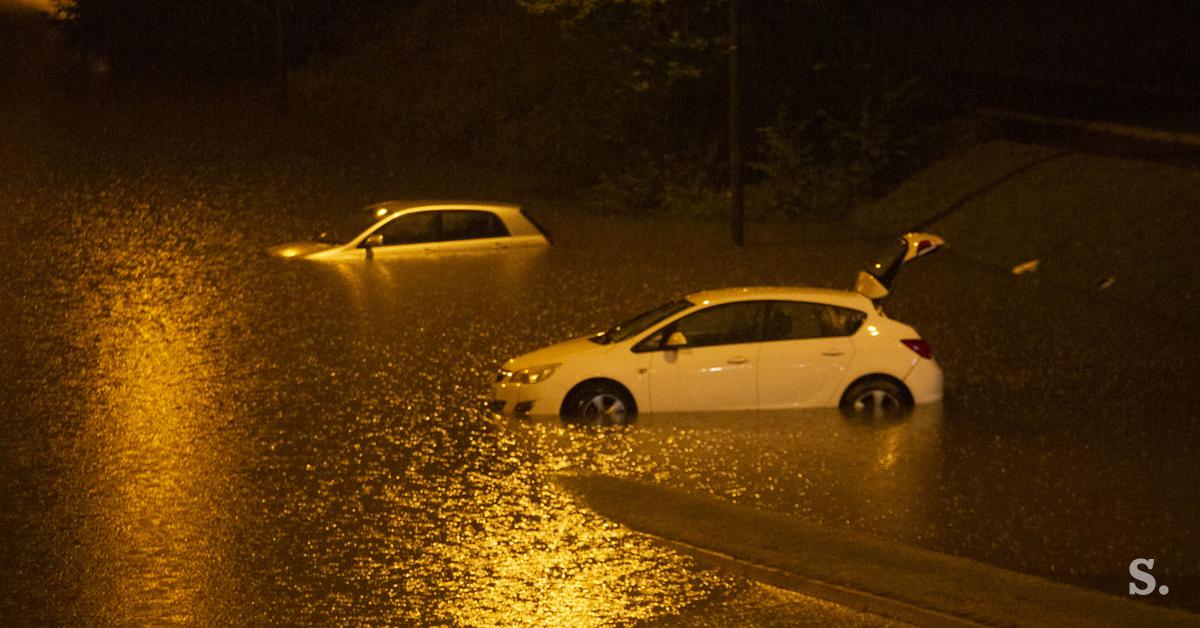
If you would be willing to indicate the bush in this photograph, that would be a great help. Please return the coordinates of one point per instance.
(815, 168)
(686, 185)
(818, 167)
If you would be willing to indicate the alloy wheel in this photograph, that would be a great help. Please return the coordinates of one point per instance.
(604, 409)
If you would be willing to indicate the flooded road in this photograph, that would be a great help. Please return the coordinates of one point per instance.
(194, 432)
(199, 433)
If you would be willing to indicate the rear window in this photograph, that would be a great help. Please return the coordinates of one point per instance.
(795, 320)
(841, 321)
(471, 225)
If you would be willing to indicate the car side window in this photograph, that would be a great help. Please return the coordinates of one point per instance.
(411, 229)
(794, 320)
(841, 321)
(471, 225)
(731, 323)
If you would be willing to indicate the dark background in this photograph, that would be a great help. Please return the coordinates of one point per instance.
(841, 100)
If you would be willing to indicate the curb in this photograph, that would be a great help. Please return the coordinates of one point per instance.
(843, 596)
(871, 574)
(1191, 140)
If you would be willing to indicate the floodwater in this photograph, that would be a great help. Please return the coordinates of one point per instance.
(196, 432)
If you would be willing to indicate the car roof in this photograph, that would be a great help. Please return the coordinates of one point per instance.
(398, 205)
(844, 298)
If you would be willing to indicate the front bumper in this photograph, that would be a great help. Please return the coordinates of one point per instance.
(511, 399)
(501, 406)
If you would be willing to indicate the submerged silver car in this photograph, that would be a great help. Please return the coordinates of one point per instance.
(405, 227)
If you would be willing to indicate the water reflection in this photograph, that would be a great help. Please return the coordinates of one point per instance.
(153, 473)
(412, 518)
(427, 275)
(814, 462)
(239, 439)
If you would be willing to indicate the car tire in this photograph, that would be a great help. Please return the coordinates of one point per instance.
(599, 403)
(876, 397)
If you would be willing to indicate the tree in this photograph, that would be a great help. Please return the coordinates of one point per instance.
(798, 61)
(659, 42)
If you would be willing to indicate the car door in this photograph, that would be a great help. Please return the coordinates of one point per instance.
(406, 234)
(805, 352)
(715, 369)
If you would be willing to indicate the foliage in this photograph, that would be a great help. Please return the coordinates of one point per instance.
(810, 168)
(689, 185)
(820, 165)
(627, 97)
(656, 42)
(481, 88)
(835, 121)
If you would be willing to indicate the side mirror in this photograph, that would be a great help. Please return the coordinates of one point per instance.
(675, 341)
(373, 240)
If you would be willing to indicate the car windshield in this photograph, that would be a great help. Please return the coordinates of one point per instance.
(351, 225)
(642, 321)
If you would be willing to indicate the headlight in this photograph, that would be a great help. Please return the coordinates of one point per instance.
(526, 376)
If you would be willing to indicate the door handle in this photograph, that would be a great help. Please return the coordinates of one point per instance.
(832, 353)
(738, 360)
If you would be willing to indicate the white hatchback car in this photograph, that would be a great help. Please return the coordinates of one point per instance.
(737, 349)
(406, 227)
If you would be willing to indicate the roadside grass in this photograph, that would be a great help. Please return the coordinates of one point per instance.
(1124, 227)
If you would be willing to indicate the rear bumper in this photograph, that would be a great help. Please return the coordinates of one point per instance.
(924, 381)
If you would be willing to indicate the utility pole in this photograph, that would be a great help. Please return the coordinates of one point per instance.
(735, 132)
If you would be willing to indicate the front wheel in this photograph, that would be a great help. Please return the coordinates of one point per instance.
(876, 398)
(599, 404)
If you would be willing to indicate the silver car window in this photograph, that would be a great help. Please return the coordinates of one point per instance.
(415, 228)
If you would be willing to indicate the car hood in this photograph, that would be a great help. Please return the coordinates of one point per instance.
(556, 353)
(298, 249)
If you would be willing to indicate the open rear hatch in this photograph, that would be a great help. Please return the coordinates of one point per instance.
(876, 282)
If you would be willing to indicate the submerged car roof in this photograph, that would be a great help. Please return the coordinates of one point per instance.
(396, 205)
(844, 298)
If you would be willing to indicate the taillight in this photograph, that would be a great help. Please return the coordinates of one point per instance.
(922, 348)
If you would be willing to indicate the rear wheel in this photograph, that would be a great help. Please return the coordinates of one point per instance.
(876, 397)
(599, 403)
